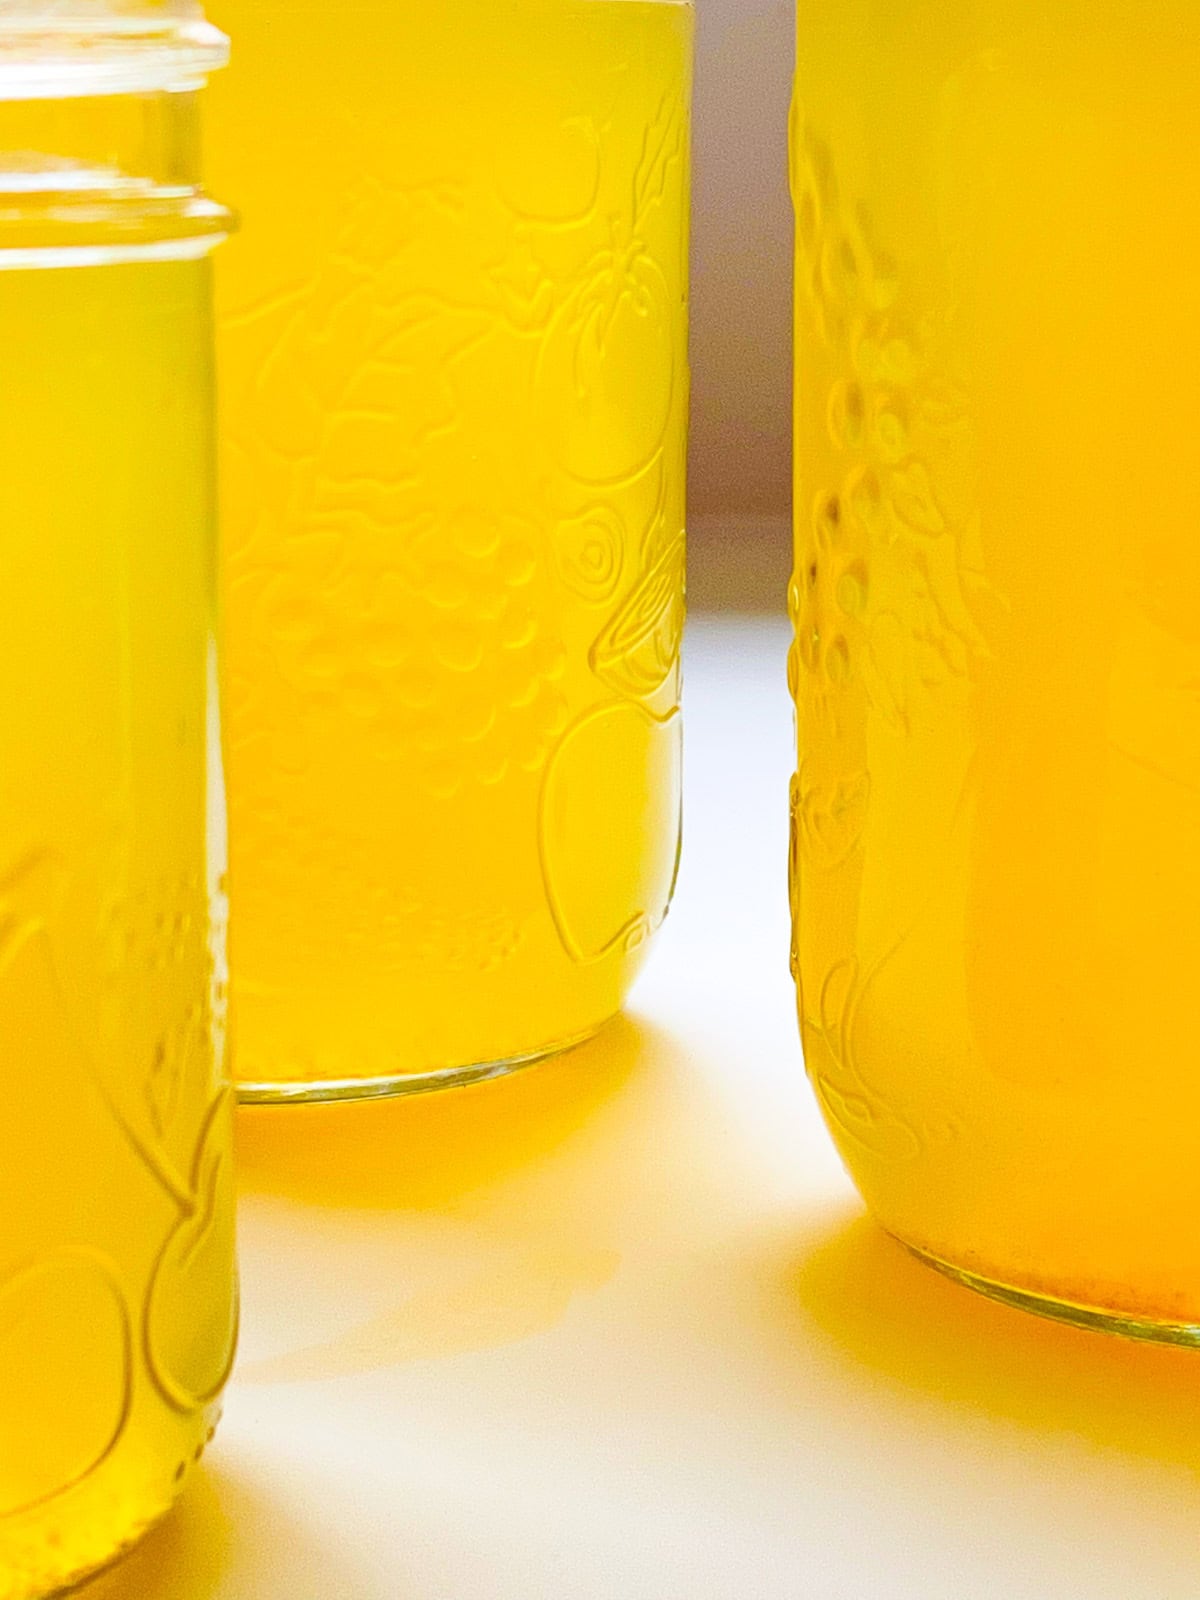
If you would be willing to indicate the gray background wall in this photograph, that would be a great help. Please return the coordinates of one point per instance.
(741, 302)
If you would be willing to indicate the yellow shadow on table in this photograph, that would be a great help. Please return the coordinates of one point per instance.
(904, 1323)
(426, 1151)
(226, 1538)
(487, 1212)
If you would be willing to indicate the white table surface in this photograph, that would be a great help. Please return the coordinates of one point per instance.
(616, 1329)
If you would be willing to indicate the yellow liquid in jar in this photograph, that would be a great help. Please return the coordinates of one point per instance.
(116, 1201)
(997, 607)
(453, 366)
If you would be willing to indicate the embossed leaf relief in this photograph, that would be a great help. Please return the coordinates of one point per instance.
(890, 594)
(830, 1053)
(31, 891)
(614, 779)
(639, 648)
(828, 814)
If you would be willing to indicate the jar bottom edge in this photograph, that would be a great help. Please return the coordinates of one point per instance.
(394, 1085)
(1093, 1319)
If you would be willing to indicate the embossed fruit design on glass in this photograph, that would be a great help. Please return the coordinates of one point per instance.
(453, 345)
(117, 1304)
(997, 661)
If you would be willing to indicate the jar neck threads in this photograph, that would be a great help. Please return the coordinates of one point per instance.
(100, 128)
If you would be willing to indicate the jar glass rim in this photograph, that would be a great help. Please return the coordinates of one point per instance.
(67, 49)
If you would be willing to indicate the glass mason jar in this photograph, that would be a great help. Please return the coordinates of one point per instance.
(117, 1301)
(454, 377)
(996, 816)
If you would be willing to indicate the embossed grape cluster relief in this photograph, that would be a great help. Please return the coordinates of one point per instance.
(465, 532)
(888, 581)
(886, 600)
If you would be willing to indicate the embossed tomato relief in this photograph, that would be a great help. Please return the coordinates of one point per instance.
(66, 1363)
(613, 782)
(606, 373)
(191, 1313)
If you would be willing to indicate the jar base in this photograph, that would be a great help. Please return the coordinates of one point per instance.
(1094, 1319)
(317, 1091)
(74, 1564)
(89, 1575)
